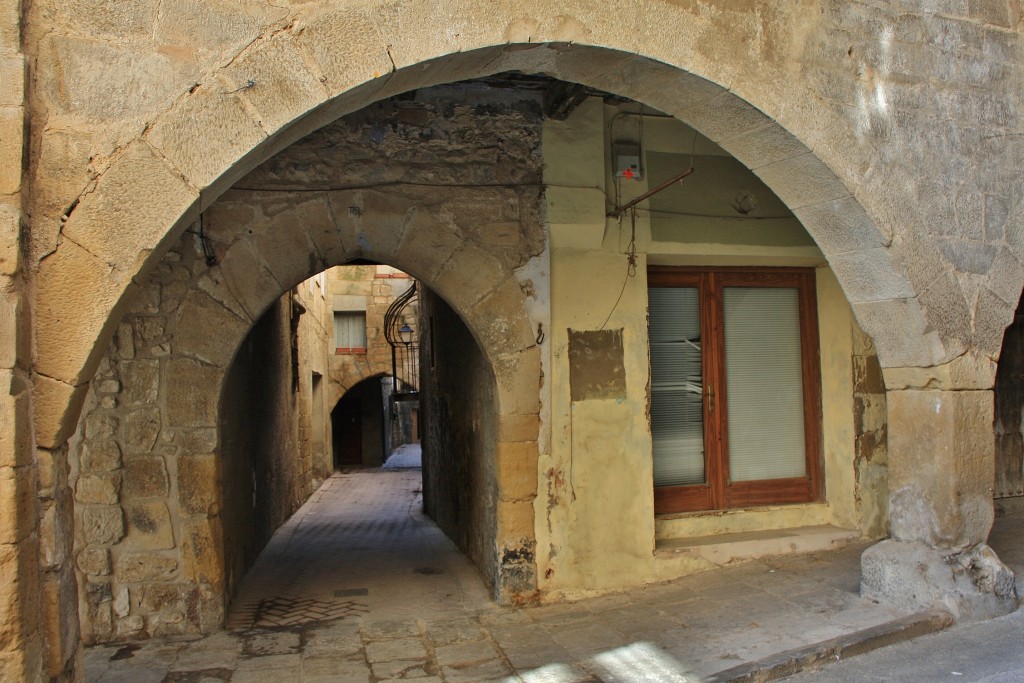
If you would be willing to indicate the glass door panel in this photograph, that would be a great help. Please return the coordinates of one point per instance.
(677, 407)
(764, 383)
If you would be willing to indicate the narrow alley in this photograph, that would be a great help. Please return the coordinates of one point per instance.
(360, 586)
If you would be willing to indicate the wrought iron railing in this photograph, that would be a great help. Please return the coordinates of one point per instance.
(403, 338)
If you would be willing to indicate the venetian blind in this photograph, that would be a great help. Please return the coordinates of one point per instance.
(677, 417)
(764, 383)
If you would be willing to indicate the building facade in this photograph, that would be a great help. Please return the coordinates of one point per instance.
(853, 224)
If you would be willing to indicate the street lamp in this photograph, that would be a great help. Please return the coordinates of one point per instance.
(405, 334)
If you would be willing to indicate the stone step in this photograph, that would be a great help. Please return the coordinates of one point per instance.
(725, 549)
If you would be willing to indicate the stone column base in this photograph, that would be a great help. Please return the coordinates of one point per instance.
(972, 584)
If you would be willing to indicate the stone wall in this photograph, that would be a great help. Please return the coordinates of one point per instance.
(458, 409)
(269, 461)
(137, 480)
(126, 474)
(356, 288)
(372, 289)
(36, 602)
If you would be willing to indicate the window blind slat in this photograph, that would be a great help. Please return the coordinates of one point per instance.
(764, 383)
(677, 415)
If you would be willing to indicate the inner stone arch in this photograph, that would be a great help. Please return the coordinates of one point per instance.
(227, 275)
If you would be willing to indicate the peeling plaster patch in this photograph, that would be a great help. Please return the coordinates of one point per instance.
(597, 366)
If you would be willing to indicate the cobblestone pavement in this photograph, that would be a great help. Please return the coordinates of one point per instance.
(360, 586)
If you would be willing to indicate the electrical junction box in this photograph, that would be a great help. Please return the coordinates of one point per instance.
(627, 160)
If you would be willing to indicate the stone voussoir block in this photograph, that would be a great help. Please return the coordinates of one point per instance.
(81, 293)
(470, 275)
(283, 87)
(724, 116)
(206, 133)
(500, 321)
(517, 470)
(286, 250)
(870, 275)
(198, 479)
(519, 379)
(346, 45)
(132, 201)
(243, 271)
(801, 180)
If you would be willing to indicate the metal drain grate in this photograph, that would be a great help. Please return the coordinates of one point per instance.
(351, 592)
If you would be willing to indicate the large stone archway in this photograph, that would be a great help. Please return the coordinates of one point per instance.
(928, 256)
(154, 187)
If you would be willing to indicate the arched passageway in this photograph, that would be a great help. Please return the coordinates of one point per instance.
(250, 403)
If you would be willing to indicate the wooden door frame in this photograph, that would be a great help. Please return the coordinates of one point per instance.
(718, 492)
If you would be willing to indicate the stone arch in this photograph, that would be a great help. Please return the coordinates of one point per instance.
(265, 245)
(343, 394)
(305, 77)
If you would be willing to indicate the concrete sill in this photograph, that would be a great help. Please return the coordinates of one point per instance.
(725, 549)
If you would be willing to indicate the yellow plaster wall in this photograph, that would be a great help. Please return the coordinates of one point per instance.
(596, 527)
(595, 521)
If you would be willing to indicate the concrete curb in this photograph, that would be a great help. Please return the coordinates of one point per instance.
(816, 655)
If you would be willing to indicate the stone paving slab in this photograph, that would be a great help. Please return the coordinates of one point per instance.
(424, 614)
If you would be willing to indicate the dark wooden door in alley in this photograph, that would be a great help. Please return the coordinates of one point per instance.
(348, 438)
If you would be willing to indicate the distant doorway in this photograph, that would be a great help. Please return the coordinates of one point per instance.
(357, 423)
